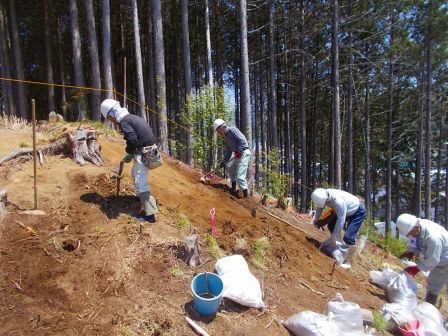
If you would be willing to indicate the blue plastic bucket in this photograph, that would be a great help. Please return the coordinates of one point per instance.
(209, 304)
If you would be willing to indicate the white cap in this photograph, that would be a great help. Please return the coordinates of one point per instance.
(319, 196)
(107, 105)
(405, 223)
(217, 123)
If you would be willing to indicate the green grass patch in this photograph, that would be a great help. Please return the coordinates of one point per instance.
(379, 322)
(213, 246)
(127, 331)
(100, 228)
(182, 221)
(259, 253)
(23, 144)
(176, 272)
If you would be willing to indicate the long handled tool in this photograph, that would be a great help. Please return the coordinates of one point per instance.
(204, 178)
(119, 173)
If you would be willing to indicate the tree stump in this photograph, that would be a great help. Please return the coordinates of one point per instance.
(3, 201)
(83, 146)
(189, 250)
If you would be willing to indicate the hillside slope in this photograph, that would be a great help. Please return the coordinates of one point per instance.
(91, 269)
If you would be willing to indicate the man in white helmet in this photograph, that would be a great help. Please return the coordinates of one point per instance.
(432, 244)
(139, 140)
(349, 211)
(236, 143)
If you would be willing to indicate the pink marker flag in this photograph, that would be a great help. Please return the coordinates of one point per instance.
(213, 222)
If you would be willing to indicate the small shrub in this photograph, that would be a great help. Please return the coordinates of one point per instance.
(393, 245)
(127, 331)
(100, 228)
(277, 184)
(379, 322)
(183, 222)
(213, 246)
(259, 255)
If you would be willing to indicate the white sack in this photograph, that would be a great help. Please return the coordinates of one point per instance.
(383, 278)
(239, 283)
(395, 312)
(338, 252)
(430, 319)
(347, 315)
(403, 290)
(308, 323)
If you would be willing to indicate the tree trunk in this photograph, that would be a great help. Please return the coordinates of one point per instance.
(428, 39)
(62, 73)
(160, 74)
(437, 213)
(336, 103)
(418, 160)
(187, 72)
(151, 76)
(48, 59)
(388, 218)
(273, 81)
(245, 112)
(5, 68)
(95, 96)
(138, 62)
(18, 61)
(106, 52)
(77, 60)
(209, 46)
(350, 179)
(367, 168)
(303, 156)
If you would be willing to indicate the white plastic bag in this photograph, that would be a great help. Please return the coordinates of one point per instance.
(338, 252)
(430, 319)
(239, 283)
(394, 312)
(383, 278)
(347, 315)
(403, 290)
(308, 323)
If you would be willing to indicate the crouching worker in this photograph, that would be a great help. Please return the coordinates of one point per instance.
(236, 143)
(349, 212)
(140, 139)
(432, 244)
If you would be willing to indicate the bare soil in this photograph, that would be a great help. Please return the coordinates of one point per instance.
(91, 268)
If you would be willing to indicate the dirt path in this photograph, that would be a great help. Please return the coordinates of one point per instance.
(91, 269)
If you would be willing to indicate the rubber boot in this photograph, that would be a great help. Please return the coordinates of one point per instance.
(431, 298)
(245, 193)
(150, 206)
(233, 188)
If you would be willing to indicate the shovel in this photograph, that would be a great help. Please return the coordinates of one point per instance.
(204, 178)
(118, 169)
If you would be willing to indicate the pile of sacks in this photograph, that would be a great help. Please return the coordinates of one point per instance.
(401, 291)
(341, 318)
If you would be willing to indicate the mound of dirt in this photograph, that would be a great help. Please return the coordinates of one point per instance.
(92, 268)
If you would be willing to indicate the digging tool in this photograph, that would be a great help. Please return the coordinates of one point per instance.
(204, 178)
(119, 171)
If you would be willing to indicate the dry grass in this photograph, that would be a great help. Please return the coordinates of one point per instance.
(12, 122)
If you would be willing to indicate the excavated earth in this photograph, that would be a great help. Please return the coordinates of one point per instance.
(88, 267)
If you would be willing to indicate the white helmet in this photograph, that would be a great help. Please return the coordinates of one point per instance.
(107, 105)
(405, 223)
(217, 123)
(319, 196)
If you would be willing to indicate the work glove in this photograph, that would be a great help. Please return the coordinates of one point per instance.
(412, 270)
(408, 255)
(128, 158)
(237, 154)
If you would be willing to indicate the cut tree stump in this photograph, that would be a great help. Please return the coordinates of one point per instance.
(82, 145)
(189, 250)
(3, 201)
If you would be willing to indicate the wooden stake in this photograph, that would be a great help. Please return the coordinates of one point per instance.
(197, 328)
(33, 113)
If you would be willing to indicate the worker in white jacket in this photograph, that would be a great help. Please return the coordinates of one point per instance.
(348, 210)
(432, 244)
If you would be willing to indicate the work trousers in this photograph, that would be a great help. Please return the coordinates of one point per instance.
(352, 223)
